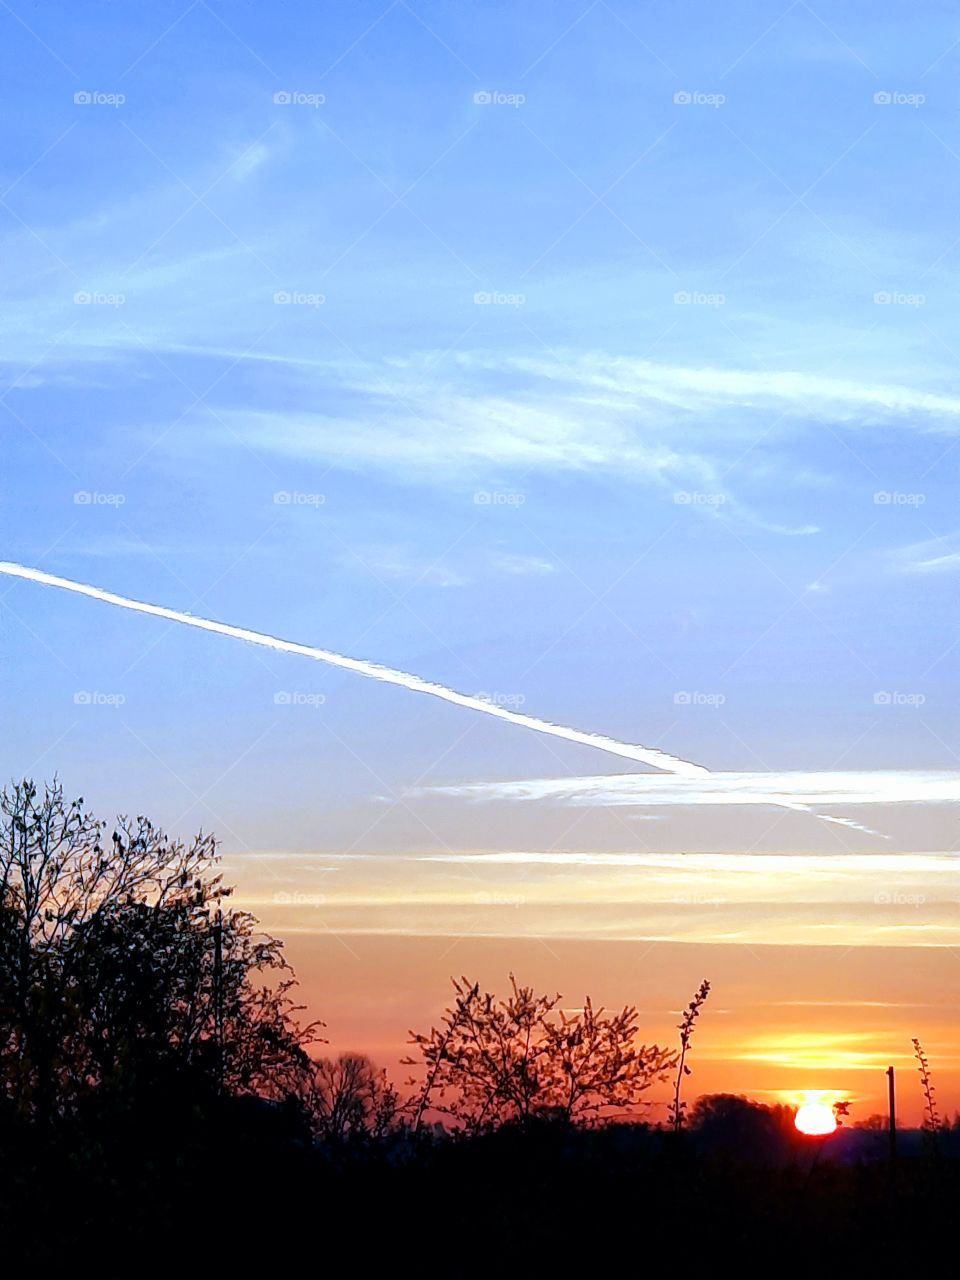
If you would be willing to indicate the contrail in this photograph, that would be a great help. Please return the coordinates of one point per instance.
(373, 670)
(781, 802)
(389, 675)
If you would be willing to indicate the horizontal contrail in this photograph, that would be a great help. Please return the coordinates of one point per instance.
(628, 750)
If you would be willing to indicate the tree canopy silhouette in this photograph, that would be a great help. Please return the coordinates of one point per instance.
(350, 1100)
(121, 970)
(494, 1062)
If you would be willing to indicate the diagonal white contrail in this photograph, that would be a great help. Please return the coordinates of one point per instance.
(389, 675)
(629, 750)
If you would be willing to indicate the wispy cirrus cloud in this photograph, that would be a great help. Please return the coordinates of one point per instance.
(521, 565)
(810, 788)
(581, 413)
(792, 391)
(404, 564)
(727, 899)
(400, 564)
(438, 431)
(687, 431)
(935, 555)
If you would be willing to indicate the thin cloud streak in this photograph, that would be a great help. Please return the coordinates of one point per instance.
(858, 900)
(800, 790)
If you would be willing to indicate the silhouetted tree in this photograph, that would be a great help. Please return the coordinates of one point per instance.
(119, 967)
(740, 1129)
(350, 1099)
(495, 1062)
(876, 1123)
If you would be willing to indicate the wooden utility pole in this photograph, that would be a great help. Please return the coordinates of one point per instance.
(892, 1111)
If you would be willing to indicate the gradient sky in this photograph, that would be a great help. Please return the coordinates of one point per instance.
(599, 358)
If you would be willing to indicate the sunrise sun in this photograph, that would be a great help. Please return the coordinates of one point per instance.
(815, 1119)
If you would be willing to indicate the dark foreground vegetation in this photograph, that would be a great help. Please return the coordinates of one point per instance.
(163, 1108)
(228, 1187)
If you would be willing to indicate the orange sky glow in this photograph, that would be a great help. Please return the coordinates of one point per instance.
(822, 1013)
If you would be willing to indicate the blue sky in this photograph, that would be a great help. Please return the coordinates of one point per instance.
(616, 378)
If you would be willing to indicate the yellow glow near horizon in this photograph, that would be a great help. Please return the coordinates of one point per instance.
(814, 1051)
(805, 1097)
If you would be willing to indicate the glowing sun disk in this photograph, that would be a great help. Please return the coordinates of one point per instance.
(815, 1119)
